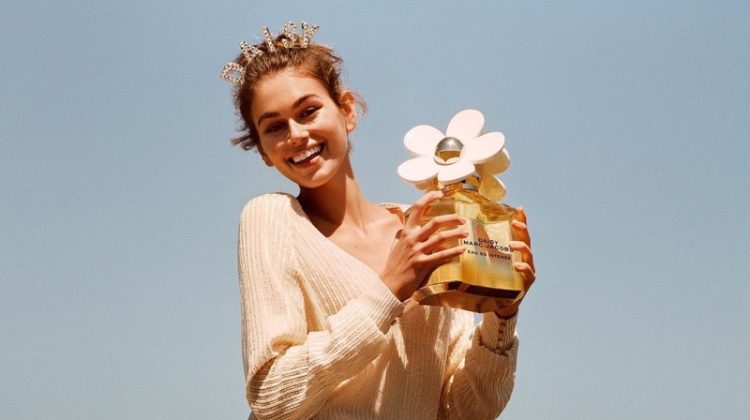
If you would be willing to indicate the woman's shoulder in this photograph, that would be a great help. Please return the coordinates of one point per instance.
(272, 206)
(396, 208)
(275, 198)
(399, 206)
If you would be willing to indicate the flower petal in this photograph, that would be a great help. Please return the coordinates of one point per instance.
(492, 188)
(461, 169)
(483, 148)
(418, 170)
(495, 165)
(422, 139)
(465, 125)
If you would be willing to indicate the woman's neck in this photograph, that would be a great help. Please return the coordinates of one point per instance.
(338, 203)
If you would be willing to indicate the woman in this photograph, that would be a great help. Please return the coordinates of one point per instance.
(324, 277)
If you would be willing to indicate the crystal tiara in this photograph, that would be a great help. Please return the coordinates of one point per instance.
(235, 73)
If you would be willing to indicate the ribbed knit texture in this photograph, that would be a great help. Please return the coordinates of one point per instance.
(324, 338)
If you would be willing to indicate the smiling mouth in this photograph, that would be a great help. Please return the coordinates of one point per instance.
(306, 155)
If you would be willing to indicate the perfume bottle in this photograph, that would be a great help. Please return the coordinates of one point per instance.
(482, 279)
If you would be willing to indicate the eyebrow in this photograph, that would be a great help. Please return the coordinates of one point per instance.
(294, 105)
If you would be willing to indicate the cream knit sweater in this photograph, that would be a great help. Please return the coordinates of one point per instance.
(323, 337)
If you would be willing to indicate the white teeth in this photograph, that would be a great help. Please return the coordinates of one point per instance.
(305, 154)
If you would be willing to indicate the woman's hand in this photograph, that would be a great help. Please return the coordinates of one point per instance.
(522, 244)
(419, 249)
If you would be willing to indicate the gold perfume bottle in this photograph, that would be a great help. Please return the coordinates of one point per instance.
(482, 279)
(462, 163)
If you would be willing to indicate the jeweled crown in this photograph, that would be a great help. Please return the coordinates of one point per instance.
(235, 73)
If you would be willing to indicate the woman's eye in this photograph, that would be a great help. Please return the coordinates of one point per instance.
(274, 128)
(307, 112)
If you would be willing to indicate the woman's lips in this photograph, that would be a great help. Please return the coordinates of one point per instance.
(306, 155)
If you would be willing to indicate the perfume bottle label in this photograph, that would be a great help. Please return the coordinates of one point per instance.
(487, 261)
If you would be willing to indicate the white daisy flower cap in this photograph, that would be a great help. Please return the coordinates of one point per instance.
(463, 151)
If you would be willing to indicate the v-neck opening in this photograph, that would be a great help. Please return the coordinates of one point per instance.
(391, 207)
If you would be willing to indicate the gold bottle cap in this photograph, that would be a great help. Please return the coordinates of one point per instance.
(448, 150)
(441, 158)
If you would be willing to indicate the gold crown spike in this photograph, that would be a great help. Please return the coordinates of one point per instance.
(250, 51)
(290, 32)
(307, 32)
(269, 39)
(233, 73)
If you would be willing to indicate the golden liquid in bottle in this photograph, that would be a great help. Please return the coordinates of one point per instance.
(481, 279)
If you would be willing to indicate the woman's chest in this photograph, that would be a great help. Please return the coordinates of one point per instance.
(371, 249)
(329, 277)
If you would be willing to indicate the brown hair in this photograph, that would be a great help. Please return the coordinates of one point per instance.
(316, 60)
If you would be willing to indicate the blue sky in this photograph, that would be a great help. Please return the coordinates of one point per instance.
(627, 124)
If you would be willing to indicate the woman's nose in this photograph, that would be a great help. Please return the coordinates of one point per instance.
(297, 132)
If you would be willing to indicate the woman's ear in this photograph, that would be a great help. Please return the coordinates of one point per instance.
(349, 109)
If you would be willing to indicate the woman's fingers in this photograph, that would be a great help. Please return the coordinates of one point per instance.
(526, 255)
(521, 231)
(522, 244)
(418, 209)
(438, 222)
(527, 272)
(442, 256)
(439, 239)
(521, 214)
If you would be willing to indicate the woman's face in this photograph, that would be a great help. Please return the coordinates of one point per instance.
(301, 130)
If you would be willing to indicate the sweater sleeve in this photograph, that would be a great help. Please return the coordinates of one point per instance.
(481, 368)
(290, 372)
